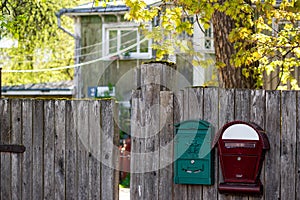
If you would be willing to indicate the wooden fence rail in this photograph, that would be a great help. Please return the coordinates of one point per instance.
(69, 152)
(154, 113)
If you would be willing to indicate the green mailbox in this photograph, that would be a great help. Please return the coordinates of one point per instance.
(193, 154)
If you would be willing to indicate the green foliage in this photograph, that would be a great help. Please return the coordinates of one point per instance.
(125, 183)
(260, 49)
(39, 42)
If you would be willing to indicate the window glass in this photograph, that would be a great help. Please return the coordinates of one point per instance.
(129, 38)
(143, 45)
(113, 42)
(120, 37)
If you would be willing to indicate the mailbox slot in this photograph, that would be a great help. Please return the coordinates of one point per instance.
(230, 145)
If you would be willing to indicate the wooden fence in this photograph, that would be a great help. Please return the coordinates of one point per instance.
(155, 112)
(69, 152)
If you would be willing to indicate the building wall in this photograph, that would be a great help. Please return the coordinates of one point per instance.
(102, 72)
(111, 71)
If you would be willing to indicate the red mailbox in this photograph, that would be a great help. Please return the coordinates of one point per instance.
(241, 148)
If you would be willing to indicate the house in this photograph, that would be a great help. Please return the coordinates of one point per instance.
(108, 47)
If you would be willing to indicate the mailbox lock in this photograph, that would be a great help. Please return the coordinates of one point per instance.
(239, 158)
(192, 161)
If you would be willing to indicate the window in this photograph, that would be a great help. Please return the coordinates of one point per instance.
(208, 42)
(125, 40)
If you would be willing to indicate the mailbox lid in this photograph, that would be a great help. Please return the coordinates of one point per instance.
(192, 139)
(193, 125)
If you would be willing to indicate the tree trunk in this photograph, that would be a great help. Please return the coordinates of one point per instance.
(229, 75)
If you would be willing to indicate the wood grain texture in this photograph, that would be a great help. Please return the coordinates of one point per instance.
(95, 149)
(6, 134)
(179, 191)
(298, 148)
(288, 145)
(135, 161)
(49, 135)
(151, 80)
(60, 150)
(165, 188)
(82, 149)
(65, 139)
(108, 156)
(195, 111)
(272, 160)
(16, 138)
(38, 157)
(211, 114)
(242, 112)
(258, 116)
(71, 151)
(27, 131)
(226, 114)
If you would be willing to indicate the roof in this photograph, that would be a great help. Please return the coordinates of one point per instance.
(55, 88)
(90, 9)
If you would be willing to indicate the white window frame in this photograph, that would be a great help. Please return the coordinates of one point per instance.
(120, 27)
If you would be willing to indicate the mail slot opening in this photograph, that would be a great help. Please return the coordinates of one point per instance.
(230, 145)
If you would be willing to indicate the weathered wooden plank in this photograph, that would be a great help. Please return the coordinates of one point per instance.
(165, 189)
(82, 149)
(272, 159)
(137, 77)
(242, 112)
(151, 81)
(71, 151)
(226, 114)
(169, 78)
(257, 115)
(133, 141)
(137, 145)
(179, 190)
(27, 131)
(16, 138)
(242, 105)
(48, 168)
(211, 105)
(272, 162)
(258, 107)
(38, 158)
(116, 152)
(59, 154)
(95, 153)
(195, 103)
(108, 155)
(288, 145)
(5, 170)
(298, 148)
(195, 111)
